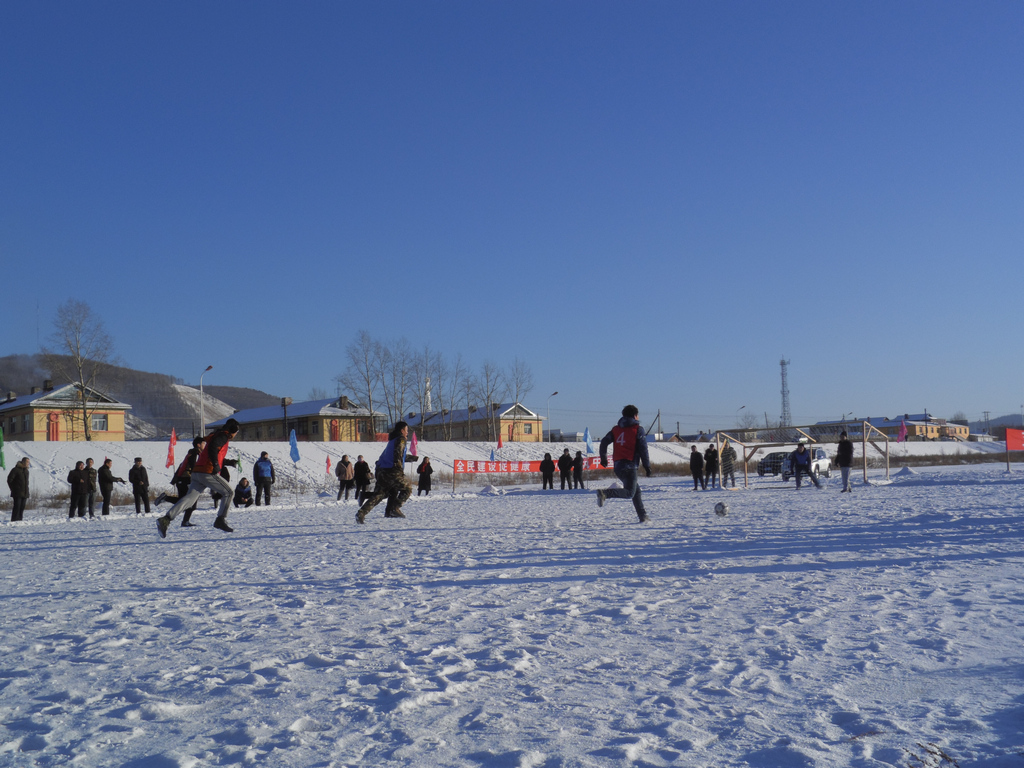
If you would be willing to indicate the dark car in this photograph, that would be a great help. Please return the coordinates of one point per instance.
(772, 463)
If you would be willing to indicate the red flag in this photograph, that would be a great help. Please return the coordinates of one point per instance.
(499, 438)
(903, 432)
(170, 448)
(1015, 440)
(328, 465)
(414, 445)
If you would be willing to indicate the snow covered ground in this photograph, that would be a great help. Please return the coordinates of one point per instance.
(528, 628)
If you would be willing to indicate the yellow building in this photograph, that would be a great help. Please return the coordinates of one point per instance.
(48, 414)
(320, 421)
(513, 421)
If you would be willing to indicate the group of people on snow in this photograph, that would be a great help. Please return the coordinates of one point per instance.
(570, 470)
(204, 468)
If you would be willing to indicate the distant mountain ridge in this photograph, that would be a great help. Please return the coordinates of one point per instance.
(159, 402)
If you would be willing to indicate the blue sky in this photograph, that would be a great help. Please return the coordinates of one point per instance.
(646, 202)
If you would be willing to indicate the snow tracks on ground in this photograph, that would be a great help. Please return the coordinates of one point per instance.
(529, 629)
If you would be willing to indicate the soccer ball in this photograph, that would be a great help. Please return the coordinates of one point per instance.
(721, 509)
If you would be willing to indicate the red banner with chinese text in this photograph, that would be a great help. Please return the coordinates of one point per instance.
(468, 467)
(1014, 440)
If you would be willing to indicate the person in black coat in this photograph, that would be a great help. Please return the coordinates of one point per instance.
(90, 485)
(577, 470)
(711, 465)
(106, 480)
(424, 470)
(139, 478)
(565, 469)
(362, 475)
(547, 472)
(17, 481)
(79, 483)
(697, 468)
(844, 459)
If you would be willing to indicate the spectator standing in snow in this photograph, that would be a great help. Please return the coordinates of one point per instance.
(424, 470)
(206, 476)
(392, 483)
(363, 475)
(79, 483)
(90, 486)
(139, 478)
(697, 468)
(800, 464)
(17, 481)
(106, 480)
(728, 463)
(346, 474)
(577, 470)
(263, 477)
(565, 469)
(547, 472)
(844, 458)
(628, 454)
(711, 465)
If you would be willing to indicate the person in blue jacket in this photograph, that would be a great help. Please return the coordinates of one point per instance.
(392, 483)
(629, 453)
(800, 464)
(263, 477)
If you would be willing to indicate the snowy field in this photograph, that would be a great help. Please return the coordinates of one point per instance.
(528, 628)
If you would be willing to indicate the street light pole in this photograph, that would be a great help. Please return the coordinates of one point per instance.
(736, 417)
(202, 410)
(549, 413)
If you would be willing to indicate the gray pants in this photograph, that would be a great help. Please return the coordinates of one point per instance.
(845, 472)
(204, 482)
(626, 471)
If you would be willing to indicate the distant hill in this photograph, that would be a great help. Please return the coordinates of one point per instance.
(241, 398)
(159, 402)
(997, 425)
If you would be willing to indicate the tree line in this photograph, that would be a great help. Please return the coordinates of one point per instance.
(396, 379)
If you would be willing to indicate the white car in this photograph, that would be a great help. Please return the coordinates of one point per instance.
(820, 465)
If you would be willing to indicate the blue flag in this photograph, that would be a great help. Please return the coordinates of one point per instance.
(492, 454)
(588, 441)
(295, 447)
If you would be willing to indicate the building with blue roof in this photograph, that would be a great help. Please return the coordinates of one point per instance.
(331, 420)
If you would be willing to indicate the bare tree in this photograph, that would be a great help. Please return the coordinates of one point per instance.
(317, 393)
(492, 390)
(450, 377)
(80, 352)
(748, 420)
(519, 379)
(425, 367)
(397, 379)
(363, 374)
(469, 389)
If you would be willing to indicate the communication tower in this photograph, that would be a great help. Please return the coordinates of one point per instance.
(787, 418)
